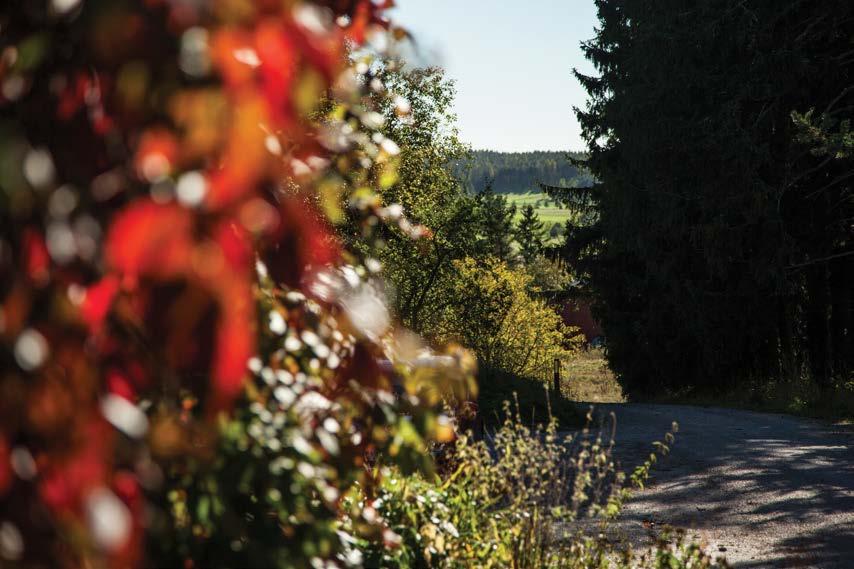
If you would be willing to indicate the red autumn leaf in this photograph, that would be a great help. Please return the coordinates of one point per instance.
(321, 53)
(36, 256)
(128, 380)
(5, 466)
(98, 301)
(65, 482)
(101, 123)
(150, 239)
(279, 60)
(235, 344)
(126, 487)
(72, 97)
(360, 20)
(235, 329)
(235, 247)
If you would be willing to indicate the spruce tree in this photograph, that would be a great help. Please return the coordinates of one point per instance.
(495, 225)
(529, 234)
(722, 250)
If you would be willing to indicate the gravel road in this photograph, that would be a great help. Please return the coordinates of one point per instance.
(764, 490)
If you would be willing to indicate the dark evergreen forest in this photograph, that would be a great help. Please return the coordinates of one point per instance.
(719, 247)
(519, 172)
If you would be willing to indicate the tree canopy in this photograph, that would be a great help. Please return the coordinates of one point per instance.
(474, 280)
(720, 247)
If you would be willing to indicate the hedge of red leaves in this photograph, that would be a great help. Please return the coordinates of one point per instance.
(167, 191)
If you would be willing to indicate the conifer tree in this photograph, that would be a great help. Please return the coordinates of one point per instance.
(722, 249)
(495, 221)
(529, 234)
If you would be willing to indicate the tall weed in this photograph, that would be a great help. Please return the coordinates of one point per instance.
(526, 498)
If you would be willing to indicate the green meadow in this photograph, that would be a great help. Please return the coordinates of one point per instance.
(547, 210)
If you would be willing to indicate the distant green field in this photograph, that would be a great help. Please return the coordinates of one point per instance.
(547, 210)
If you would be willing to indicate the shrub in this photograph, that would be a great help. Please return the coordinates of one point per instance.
(188, 354)
(527, 498)
(495, 315)
(548, 275)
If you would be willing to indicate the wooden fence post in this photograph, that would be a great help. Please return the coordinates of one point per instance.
(557, 377)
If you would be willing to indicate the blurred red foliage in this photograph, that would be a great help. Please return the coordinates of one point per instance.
(150, 137)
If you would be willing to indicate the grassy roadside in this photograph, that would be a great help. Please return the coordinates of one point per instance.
(535, 400)
(798, 398)
(588, 379)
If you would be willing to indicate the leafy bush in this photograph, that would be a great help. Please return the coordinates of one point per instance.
(527, 498)
(548, 275)
(495, 315)
(189, 353)
(270, 496)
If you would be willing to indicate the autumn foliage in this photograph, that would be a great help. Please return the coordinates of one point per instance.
(156, 157)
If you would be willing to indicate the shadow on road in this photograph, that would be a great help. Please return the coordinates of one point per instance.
(765, 490)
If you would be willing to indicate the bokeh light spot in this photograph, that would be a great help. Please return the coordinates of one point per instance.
(31, 350)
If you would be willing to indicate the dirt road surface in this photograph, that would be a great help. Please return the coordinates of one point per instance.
(764, 490)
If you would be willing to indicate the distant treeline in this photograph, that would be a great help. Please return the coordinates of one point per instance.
(518, 172)
(721, 132)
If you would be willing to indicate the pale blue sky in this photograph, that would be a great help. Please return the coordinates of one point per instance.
(512, 62)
